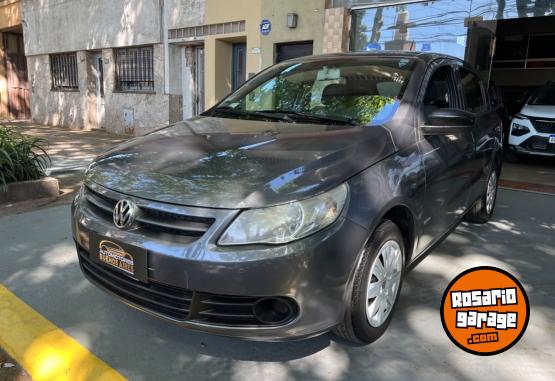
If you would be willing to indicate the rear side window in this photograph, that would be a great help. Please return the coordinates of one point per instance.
(472, 89)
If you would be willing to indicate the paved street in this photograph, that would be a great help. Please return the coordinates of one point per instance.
(43, 271)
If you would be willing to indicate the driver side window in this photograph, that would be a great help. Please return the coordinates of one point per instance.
(441, 92)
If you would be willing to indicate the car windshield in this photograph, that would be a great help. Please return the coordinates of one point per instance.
(544, 97)
(358, 91)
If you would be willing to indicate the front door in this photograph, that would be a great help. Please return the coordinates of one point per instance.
(239, 66)
(18, 86)
(446, 160)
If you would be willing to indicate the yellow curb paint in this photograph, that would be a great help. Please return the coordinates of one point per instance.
(45, 351)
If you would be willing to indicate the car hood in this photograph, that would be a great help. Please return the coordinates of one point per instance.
(539, 111)
(230, 163)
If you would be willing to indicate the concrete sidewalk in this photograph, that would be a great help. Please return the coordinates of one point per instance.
(40, 266)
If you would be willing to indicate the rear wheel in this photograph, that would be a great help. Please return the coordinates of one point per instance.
(482, 211)
(376, 287)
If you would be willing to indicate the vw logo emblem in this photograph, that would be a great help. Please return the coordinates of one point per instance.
(124, 214)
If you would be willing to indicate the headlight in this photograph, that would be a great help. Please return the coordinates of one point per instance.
(285, 223)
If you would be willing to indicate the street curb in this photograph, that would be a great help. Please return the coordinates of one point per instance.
(46, 187)
(528, 187)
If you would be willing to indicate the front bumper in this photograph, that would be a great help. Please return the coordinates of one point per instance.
(315, 273)
(536, 140)
(534, 145)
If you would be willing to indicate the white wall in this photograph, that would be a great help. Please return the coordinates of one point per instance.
(185, 13)
(52, 26)
(82, 26)
(77, 109)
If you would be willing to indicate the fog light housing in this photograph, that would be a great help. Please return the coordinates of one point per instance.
(275, 311)
(519, 129)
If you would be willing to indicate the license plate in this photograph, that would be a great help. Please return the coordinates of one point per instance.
(125, 259)
(552, 139)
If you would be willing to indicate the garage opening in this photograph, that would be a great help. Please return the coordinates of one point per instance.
(293, 50)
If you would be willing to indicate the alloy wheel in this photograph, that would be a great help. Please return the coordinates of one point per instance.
(383, 283)
(491, 192)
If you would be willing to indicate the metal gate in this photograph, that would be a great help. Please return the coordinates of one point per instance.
(16, 70)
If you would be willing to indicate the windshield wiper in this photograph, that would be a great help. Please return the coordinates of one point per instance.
(228, 110)
(315, 117)
(248, 114)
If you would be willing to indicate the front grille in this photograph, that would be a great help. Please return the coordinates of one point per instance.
(538, 144)
(544, 126)
(151, 221)
(172, 302)
(176, 303)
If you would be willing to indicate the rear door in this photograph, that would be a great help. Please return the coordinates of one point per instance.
(445, 157)
(487, 126)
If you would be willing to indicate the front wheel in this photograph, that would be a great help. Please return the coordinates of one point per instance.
(376, 287)
(482, 211)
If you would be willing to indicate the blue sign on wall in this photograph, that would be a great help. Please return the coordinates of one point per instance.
(265, 27)
(426, 47)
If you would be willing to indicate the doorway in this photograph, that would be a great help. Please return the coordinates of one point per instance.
(292, 50)
(98, 79)
(199, 80)
(239, 65)
(16, 73)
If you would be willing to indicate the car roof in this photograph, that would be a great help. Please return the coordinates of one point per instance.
(424, 56)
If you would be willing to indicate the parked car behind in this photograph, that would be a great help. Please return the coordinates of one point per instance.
(296, 205)
(533, 128)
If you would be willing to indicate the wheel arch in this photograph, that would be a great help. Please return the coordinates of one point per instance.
(402, 216)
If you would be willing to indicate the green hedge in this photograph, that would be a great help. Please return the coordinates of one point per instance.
(22, 157)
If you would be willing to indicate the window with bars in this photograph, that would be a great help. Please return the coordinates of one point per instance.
(135, 69)
(63, 68)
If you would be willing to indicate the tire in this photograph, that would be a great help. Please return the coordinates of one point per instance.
(480, 212)
(357, 327)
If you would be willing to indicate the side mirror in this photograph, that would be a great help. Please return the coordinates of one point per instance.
(445, 121)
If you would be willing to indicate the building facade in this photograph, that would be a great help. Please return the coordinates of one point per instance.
(214, 46)
(98, 64)
(14, 87)
(130, 66)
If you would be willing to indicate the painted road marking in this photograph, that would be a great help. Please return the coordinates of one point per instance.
(45, 351)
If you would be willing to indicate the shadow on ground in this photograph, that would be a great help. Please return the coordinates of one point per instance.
(39, 264)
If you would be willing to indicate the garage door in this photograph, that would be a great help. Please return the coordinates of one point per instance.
(294, 50)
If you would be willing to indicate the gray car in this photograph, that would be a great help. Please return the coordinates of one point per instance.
(296, 205)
